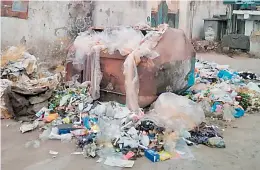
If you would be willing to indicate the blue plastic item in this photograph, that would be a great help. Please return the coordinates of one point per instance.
(151, 136)
(239, 112)
(86, 122)
(152, 155)
(225, 75)
(94, 120)
(214, 106)
(65, 128)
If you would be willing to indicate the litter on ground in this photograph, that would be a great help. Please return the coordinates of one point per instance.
(120, 133)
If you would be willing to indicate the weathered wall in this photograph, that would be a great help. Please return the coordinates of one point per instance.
(255, 43)
(173, 5)
(184, 16)
(40, 31)
(205, 9)
(51, 25)
(115, 13)
(193, 13)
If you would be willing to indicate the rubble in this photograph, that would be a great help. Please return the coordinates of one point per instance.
(6, 110)
(29, 126)
(205, 45)
(24, 92)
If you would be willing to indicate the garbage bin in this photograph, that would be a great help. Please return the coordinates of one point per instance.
(172, 71)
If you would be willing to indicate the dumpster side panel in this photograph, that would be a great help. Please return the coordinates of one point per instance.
(172, 71)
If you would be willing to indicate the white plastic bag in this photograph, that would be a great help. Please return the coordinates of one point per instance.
(253, 86)
(176, 112)
(131, 83)
(228, 112)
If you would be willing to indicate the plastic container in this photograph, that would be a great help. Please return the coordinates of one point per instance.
(152, 155)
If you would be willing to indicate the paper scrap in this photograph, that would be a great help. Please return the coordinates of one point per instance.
(112, 161)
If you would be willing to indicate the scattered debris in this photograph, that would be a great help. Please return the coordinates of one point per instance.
(34, 143)
(117, 133)
(226, 94)
(77, 153)
(26, 127)
(205, 46)
(111, 161)
(53, 152)
(203, 134)
(26, 94)
(6, 109)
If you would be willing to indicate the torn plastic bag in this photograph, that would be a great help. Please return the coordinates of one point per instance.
(175, 112)
(34, 143)
(108, 130)
(253, 86)
(125, 40)
(228, 112)
(131, 83)
(206, 107)
(183, 150)
(55, 135)
(172, 70)
(170, 142)
(94, 76)
(148, 43)
(99, 110)
(29, 126)
(217, 94)
(112, 161)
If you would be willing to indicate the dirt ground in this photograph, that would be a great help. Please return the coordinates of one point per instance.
(242, 143)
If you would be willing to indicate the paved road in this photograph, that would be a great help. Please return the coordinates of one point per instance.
(237, 63)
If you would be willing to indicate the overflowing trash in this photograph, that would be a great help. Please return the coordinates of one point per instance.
(111, 131)
(223, 93)
(24, 90)
(205, 45)
(119, 134)
(164, 54)
(208, 135)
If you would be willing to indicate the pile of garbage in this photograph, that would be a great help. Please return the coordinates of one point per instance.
(128, 42)
(119, 134)
(205, 45)
(223, 93)
(112, 132)
(25, 89)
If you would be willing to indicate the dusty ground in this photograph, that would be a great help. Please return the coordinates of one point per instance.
(241, 152)
(238, 63)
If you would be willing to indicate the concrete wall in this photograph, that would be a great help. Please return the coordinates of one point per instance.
(255, 44)
(192, 15)
(205, 9)
(51, 26)
(115, 13)
(40, 30)
(173, 5)
(184, 17)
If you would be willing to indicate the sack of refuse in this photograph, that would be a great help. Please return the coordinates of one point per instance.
(175, 112)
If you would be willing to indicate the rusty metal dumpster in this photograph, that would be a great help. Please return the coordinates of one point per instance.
(172, 71)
